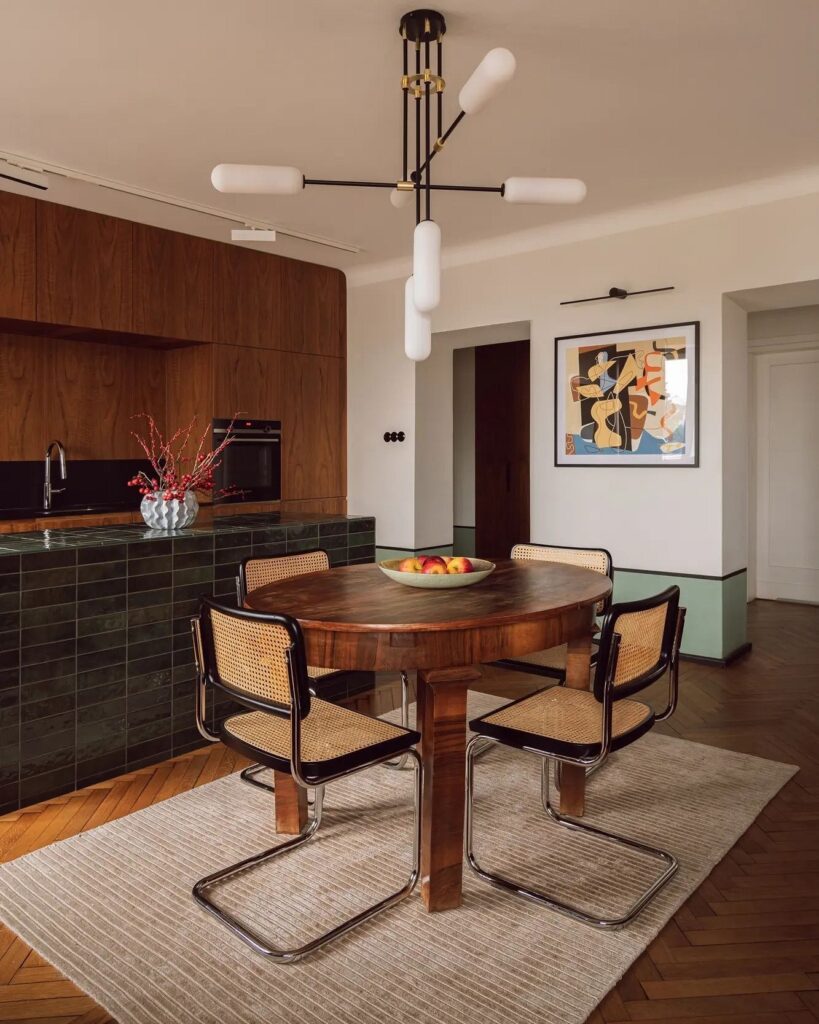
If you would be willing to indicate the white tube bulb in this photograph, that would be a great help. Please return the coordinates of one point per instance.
(426, 265)
(544, 190)
(487, 80)
(417, 327)
(399, 197)
(257, 178)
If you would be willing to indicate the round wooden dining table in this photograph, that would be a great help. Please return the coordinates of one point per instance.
(356, 618)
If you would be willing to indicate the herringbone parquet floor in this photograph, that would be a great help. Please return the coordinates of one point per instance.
(743, 950)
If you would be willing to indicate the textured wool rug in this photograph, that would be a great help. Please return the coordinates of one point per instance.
(112, 909)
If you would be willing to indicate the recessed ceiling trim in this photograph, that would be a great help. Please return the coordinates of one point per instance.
(583, 229)
(42, 167)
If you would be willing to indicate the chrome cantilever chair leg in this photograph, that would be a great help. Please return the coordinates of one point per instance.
(552, 902)
(402, 760)
(285, 956)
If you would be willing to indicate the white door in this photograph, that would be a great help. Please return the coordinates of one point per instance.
(787, 452)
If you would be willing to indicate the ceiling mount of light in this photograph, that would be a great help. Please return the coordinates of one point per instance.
(423, 89)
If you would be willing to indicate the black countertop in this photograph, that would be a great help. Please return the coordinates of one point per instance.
(289, 525)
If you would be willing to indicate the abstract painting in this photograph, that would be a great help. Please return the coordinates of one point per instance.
(627, 398)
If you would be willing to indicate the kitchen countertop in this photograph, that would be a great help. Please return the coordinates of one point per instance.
(100, 536)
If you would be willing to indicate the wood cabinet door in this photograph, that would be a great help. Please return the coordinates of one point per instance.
(247, 297)
(248, 381)
(17, 257)
(173, 284)
(314, 438)
(314, 313)
(84, 268)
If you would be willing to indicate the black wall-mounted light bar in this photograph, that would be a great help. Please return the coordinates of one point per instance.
(617, 293)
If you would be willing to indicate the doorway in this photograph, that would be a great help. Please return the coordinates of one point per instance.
(782, 339)
(501, 447)
(787, 476)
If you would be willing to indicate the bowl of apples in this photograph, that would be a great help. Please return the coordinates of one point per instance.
(437, 572)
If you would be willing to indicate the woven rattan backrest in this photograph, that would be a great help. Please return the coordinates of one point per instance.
(596, 559)
(646, 631)
(251, 657)
(261, 571)
(641, 643)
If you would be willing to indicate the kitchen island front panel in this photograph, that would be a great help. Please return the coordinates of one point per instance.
(96, 670)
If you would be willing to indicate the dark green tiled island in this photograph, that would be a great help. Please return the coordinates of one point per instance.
(96, 671)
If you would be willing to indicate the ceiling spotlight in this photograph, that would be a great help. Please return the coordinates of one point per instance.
(423, 86)
(23, 176)
(253, 235)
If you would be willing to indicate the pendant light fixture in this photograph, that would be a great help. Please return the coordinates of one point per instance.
(422, 89)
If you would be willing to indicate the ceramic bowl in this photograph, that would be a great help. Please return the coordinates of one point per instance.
(432, 581)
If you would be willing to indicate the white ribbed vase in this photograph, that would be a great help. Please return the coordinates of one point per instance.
(160, 514)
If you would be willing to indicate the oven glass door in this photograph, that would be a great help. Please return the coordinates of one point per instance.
(252, 466)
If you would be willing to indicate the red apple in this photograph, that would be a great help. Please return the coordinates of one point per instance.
(426, 560)
(434, 567)
(460, 565)
(410, 565)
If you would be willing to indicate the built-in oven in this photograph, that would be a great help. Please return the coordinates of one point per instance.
(252, 462)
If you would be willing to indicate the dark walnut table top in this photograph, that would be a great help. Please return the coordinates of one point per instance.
(361, 598)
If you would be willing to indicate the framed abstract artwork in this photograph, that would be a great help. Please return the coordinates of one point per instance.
(628, 398)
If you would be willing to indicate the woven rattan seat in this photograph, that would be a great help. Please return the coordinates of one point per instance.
(559, 718)
(330, 735)
(552, 663)
(639, 643)
(258, 660)
(555, 658)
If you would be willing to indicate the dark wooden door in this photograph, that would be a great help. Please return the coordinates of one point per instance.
(501, 447)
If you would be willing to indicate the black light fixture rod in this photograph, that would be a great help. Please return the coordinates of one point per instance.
(468, 188)
(617, 293)
(391, 184)
(440, 91)
(405, 105)
(416, 177)
(427, 113)
(349, 184)
(441, 141)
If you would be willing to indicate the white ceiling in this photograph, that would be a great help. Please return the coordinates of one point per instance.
(644, 99)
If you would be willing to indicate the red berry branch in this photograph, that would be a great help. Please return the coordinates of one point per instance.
(174, 472)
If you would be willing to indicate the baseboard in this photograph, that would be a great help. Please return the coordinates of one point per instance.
(735, 655)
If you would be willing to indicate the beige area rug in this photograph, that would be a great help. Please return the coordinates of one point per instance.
(112, 909)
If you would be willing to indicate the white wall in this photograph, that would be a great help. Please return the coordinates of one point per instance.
(463, 436)
(656, 519)
(736, 447)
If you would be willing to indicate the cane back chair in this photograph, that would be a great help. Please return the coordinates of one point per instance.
(259, 660)
(639, 643)
(552, 663)
(255, 572)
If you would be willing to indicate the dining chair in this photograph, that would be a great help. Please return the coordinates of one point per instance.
(255, 572)
(259, 660)
(639, 644)
(552, 663)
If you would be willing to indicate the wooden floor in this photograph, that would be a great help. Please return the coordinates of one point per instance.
(743, 950)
